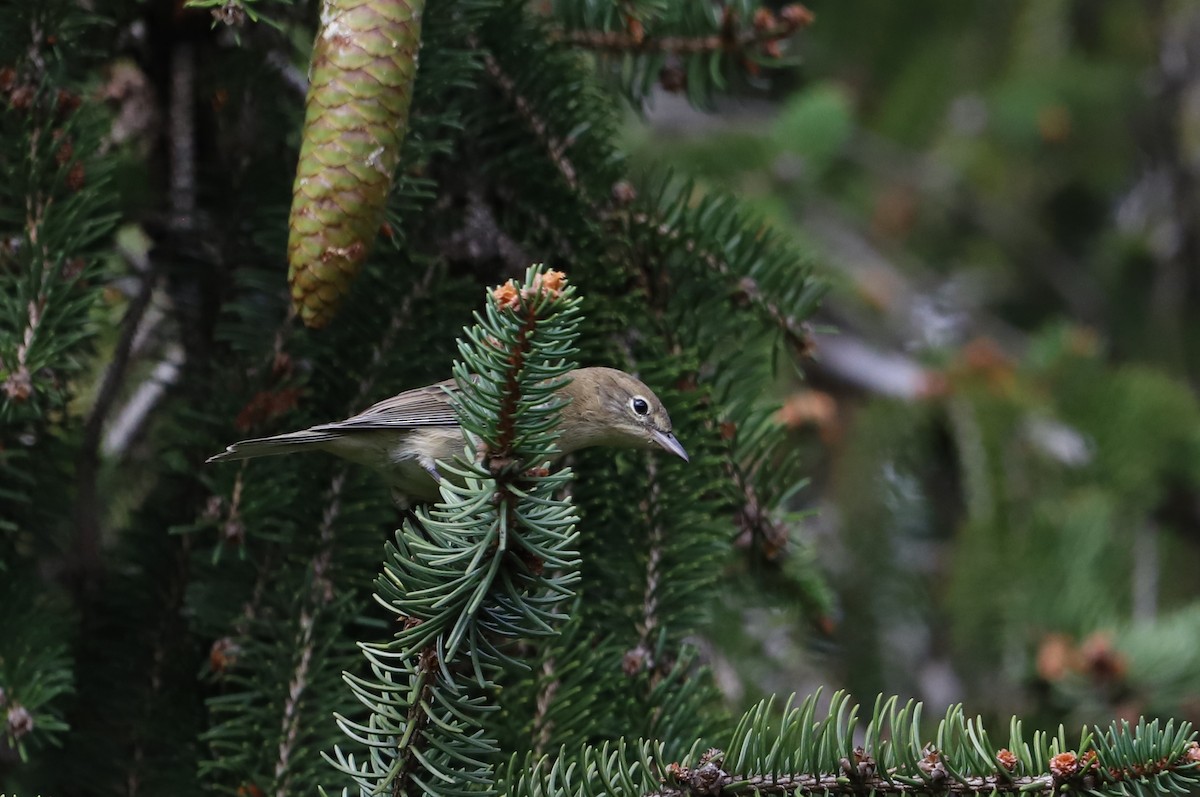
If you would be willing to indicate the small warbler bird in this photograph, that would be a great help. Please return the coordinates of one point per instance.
(404, 436)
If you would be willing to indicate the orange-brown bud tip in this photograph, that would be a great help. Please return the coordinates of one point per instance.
(507, 296)
(1064, 765)
(797, 14)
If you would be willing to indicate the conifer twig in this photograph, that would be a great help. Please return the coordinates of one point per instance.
(556, 148)
(796, 333)
(415, 721)
(543, 726)
(767, 28)
(641, 658)
(291, 707)
(320, 595)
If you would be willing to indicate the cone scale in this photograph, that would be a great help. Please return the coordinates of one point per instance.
(360, 87)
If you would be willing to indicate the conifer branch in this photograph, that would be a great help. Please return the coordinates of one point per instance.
(471, 573)
(415, 722)
(755, 527)
(291, 707)
(320, 594)
(805, 752)
(555, 147)
(641, 658)
(766, 30)
(543, 724)
(745, 287)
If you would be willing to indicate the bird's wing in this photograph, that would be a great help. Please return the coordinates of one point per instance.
(422, 406)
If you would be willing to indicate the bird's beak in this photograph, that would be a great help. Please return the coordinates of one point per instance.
(668, 441)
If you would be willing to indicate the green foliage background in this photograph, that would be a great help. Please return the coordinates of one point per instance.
(982, 488)
(1004, 199)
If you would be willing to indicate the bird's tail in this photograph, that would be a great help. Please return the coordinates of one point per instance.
(272, 446)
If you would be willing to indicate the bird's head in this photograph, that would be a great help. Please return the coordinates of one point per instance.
(611, 408)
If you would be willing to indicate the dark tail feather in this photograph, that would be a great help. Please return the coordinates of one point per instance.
(274, 446)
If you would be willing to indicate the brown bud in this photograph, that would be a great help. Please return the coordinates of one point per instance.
(637, 31)
(249, 790)
(672, 78)
(812, 409)
(773, 48)
(507, 296)
(796, 15)
(213, 508)
(230, 14)
(763, 19)
(66, 103)
(1054, 123)
(707, 779)
(623, 193)
(931, 763)
(21, 98)
(66, 151)
(1192, 753)
(73, 268)
(223, 655)
(77, 176)
(1100, 659)
(233, 531)
(1064, 765)
(729, 20)
(532, 562)
(677, 772)
(634, 661)
(687, 383)
(550, 283)
(282, 366)
(20, 721)
(864, 764)
(18, 387)
(1056, 657)
(266, 406)
(1007, 759)
(8, 78)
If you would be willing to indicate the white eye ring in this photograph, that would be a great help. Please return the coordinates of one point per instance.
(639, 405)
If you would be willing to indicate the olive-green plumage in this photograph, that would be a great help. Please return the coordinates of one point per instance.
(403, 437)
(364, 63)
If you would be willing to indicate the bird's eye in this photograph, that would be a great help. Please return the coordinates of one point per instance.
(639, 405)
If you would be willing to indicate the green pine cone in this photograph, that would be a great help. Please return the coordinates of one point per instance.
(363, 66)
